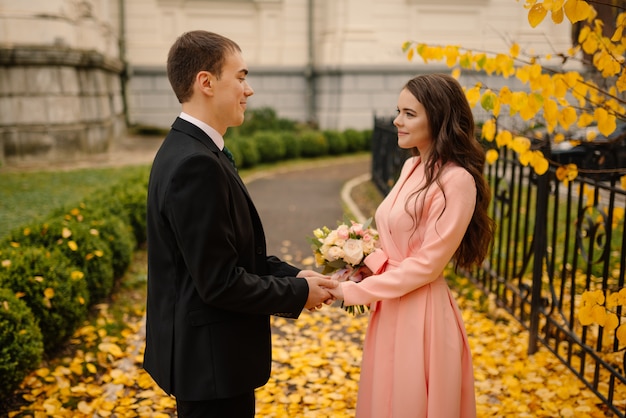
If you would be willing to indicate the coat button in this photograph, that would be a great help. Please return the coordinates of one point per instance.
(259, 250)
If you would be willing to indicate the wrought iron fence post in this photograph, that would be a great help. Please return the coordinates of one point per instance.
(554, 240)
(540, 240)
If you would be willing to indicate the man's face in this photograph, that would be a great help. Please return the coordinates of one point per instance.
(231, 91)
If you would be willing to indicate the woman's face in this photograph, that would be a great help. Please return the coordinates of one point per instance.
(412, 124)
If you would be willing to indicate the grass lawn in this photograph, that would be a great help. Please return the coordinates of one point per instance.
(27, 196)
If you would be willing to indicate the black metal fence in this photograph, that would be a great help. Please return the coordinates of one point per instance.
(554, 241)
(387, 157)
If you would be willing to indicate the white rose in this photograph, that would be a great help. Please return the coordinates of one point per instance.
(368, 247)
(353, 250)
(331, 238)
(334, 253)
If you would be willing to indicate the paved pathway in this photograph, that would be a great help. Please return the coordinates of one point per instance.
(293, 202)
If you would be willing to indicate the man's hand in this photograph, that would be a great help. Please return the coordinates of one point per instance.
(311, 273)
(319, 291)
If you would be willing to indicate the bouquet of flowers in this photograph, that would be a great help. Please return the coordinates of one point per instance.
(341, 251)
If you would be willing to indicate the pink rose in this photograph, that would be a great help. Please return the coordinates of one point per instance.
(343, 232)
(357, 228)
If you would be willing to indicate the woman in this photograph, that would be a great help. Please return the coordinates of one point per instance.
(416, 358)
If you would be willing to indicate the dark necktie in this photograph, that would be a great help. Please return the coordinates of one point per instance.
(229, 154)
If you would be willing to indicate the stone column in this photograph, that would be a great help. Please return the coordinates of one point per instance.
(60, 86)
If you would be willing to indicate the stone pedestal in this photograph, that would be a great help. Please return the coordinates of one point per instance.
(58, 103)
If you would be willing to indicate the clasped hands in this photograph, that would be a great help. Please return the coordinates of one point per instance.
(322, 289)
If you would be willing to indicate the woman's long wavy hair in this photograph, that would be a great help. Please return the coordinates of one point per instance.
(452, 128)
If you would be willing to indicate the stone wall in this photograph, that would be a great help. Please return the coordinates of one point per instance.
(346, 98)
(352, 48)
(337, 62)
(343, 98)
(58, 103)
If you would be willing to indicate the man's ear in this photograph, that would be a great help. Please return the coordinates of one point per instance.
(205, 82)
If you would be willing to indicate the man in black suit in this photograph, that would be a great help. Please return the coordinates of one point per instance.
(211, 285)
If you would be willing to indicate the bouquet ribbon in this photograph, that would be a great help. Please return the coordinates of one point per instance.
(379, 261)
(376, 260)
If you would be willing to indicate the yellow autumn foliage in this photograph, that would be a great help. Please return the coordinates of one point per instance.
(567, 173)
(547, 94)
(488, 131)
(315, 370)
(504, 138)
(491, 156)
(536, 14)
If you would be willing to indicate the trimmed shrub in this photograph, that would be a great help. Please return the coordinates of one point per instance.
(264, 119)
(313, 144)
(270, 146)
(292, 145)
(120, 239)
(80, 243)
(21, 346)
(337, 143)
(249, 153)
(111, 228)
(132, 195)
(354, 139)
(125, 199)
(367, 139)
(54, 290)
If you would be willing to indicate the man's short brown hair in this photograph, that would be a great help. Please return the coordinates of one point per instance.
(193, 52)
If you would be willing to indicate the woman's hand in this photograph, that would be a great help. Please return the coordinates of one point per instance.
(337, 292)
(304, 274)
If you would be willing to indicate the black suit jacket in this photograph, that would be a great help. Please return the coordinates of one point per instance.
(211, 285)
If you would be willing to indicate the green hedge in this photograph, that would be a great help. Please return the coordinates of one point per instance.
(53, 288)
(245, 151)
(313, 144)
(264, 139)
(292, 145)
(51, 271)
(80, 243)
(130, 197)
(355, 140)
(270, 145)
(337, 142)
(263, 119)
(21, 344)
(114, 230)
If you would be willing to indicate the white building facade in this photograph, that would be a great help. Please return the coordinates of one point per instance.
(332, 62)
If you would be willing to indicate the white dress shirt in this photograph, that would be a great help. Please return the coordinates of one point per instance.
(212, 133)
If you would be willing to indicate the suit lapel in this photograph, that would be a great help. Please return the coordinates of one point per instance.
(201, 136)
(198, 134)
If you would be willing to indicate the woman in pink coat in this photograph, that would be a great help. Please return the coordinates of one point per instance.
(416, 359)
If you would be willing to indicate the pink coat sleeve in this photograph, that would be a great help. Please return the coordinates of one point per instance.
(442, 236)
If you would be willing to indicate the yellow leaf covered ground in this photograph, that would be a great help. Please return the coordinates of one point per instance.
(315, 371)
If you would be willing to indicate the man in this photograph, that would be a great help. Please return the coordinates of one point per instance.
(211, 286)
